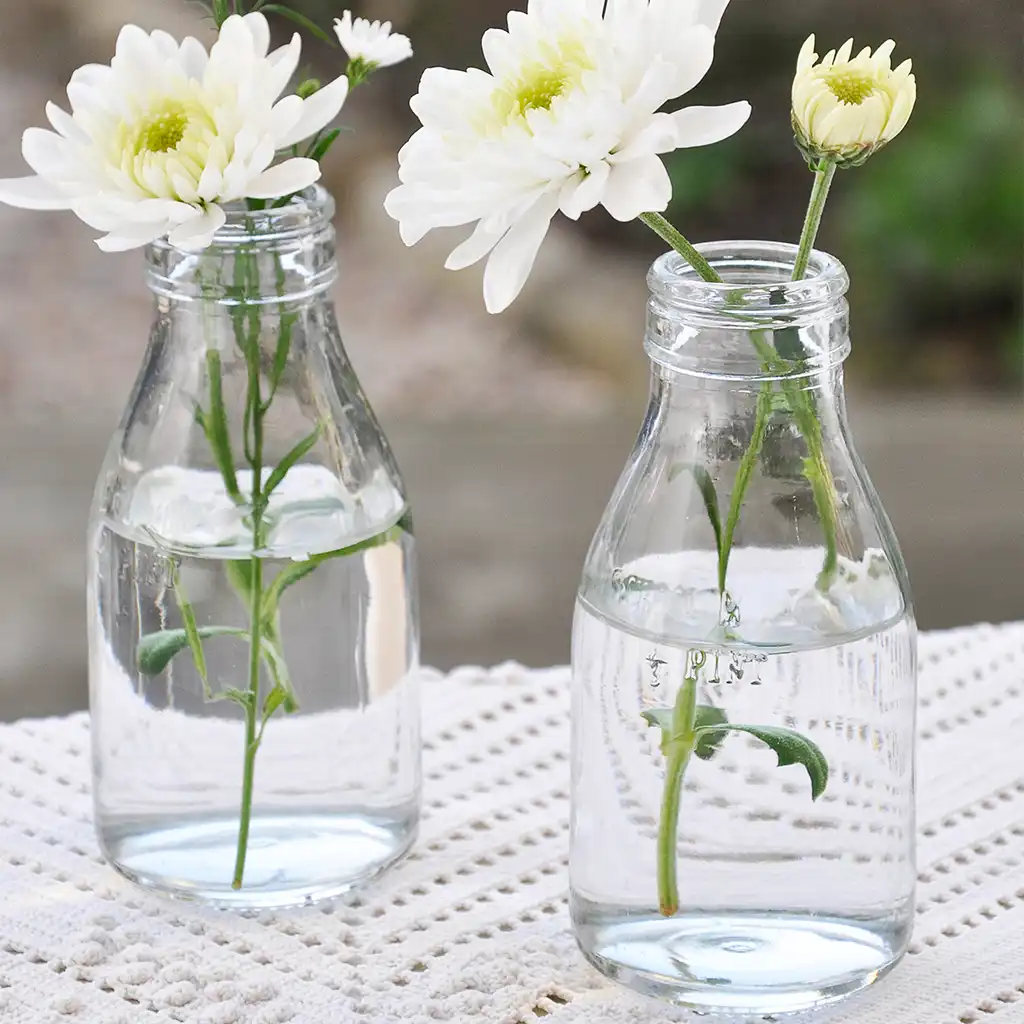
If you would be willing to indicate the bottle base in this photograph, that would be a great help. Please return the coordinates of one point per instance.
(292, 860)
(743, 967)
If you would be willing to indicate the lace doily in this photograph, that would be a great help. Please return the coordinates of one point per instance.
(472, 928)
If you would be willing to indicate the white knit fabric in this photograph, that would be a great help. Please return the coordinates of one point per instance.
(472, 928)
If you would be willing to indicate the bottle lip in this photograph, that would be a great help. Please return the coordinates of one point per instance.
(757, 280)
(299, 234)
(305, 213)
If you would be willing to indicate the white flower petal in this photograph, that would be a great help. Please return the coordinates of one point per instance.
(258, 28)
(512, 259)
(709, 13)
(65, 125)
(193, 57)
(33, 193)
(317, 112)
(283, 179)
(46, 152)
(132, 236)
(198, 232)
(284, 117)
(484, 238)
(212, 179)
(692, 55)
(282, 64)
(587, 194)
(702, 126)
(641, 186)
(659, 135)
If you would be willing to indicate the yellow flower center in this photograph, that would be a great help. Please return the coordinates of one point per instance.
(557, 67)
(539, 87)
(849, 86)
(161, 132)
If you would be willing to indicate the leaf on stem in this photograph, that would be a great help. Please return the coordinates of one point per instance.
(707, 491)
(157, 649)
(277, 696)
(188, 616)
(661, 718)
(275, 663)
(790, 746)
(281, 470)
(239, 575)
(707, 736)
(300, 570)
(281, 353)
(215, 426)
(320, 147)
(299, 19)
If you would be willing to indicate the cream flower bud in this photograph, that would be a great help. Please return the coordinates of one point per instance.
(845, 108)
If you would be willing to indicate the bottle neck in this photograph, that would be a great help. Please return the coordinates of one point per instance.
(259, 259)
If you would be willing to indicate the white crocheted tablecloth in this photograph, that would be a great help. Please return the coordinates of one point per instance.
(472, 928)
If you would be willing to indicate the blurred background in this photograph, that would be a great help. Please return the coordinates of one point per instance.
(512, 430)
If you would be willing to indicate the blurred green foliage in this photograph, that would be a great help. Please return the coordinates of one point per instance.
(933, 238)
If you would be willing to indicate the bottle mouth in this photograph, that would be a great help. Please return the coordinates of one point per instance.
(756, 282)
(306, 212)
(723, 328)
(292, 246)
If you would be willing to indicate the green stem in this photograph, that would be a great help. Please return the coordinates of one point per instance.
(743, 475)
(668, 830)
(815, 208)
(677, 756)
(254, 403)
(824, 490)
(664, 230)
(251, 714)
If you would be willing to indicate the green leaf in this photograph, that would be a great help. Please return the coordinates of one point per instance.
(220, 11)
(239, 575)
(323, 144)
(281, 469)
(157, 649)
(707, 736)
(274, 659)
(277, 696)
(707, 491)
(300, 570)
(243, 698)
(790, 746)
(299, 19)
(188, 616)
(215, 426)
(281, 352)
(660, 717)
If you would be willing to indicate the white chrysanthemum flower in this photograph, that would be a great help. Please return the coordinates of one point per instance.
(844, 109)
(372, 42)
(566, 119)
(166, 133)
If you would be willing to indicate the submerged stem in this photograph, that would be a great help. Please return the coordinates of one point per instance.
(251, 715)
(678, 751)
(255, 410)
(743, 475)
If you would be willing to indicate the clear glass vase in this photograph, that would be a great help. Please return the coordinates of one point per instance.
(744, 665)
(253, 625)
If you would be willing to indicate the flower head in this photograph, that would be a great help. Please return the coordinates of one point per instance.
(162, 137)
(565, 119)
(846, 108)
(371, 42)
